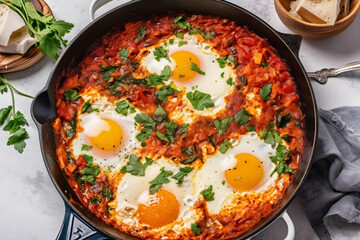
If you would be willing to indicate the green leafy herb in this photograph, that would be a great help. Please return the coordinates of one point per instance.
(87, 108)
(72, 131)
(88, 178)
(181, 43)
(182, 24)
(124, 54)
(181, 76)
(135, 167)
(145, 119)
(180, 35)
(48, 32)
(195, 229)
(184, 128)
(286, 137)
(89, 159)
(95, 200)
(93, 170)
(222, 125)
(4, 113)
(200, 100)
(222, 74)
(265, 92)
(250, 128)
(265, 64)
(160, 114)
(195, 68)
(187, 151)
(160, 179)
(161, 136)
(282, 121)
(212, 140)
(123, 107)
(182, 174)
(165, 91)
(107, 71)
(243, 80)
(208, 193)
(155, 80)
(194, 30)
(221, 61)
(106, 192)
(18, 139)
(232, 59)
(171, 128)
(242, 117)
(141, 34)
(171, 41)
(223, 182)
(71, 95)
(270, 135)
(297, 124)
(85, 147)
(224, 146)
(207, 35)
(160, 52)
(230, 82)
(144, 134)
(281, 156)
(189, 160)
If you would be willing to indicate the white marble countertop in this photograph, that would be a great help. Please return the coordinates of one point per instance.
(30, 206)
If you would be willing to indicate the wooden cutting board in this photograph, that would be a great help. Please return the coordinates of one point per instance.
(17, 62)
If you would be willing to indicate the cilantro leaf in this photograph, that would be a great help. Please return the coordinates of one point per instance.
(180, 35)
(194, 30)
(89, 159)
(106, 192)
(95, 200)
(4, 113)
(230, 82)
(208, 193)
(224, 146)
(72, 131)
(123, 107)
(160, 179)
(141, 34)
(165, 91)
(282, 121)
(88, 178)
(160, 52)
(195, 68)
(200, 100)
(85, 147)
(171, 128)
(265, 92)
(71, 95)
(207, 35)
(181, 43)
(221, 61)
(181, 23)
(124, 54)
(14, 125)
(281, 156)
(250, 128)
(243, 80)
(107, 71)
(160, 115)
(161, 136)
(189, 160)
(286, 137)
(145, 119)
(187, 151)
(87, 108)
(135, 167)
(265, 64)
(270, 138)
(18, 139)
(3, 86)
(195, 229)
(182, 174)
(144, 134)
(93, 170)
(222, 125)
(232, 59)
(184, 128)
(242, 117)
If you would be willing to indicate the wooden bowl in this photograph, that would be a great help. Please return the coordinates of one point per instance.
(16, 62)
(314, 30)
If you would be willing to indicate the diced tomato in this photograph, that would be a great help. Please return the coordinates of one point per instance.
(66, 113)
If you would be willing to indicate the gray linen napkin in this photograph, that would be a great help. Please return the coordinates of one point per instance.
(331, 193)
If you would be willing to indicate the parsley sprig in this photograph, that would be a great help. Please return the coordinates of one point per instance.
(281, 156)
(160, 179)
(15, 121)
(48, 32)
(270, 134)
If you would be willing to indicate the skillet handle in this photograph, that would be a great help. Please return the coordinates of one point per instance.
(293, 41)
(95, 5)
(290, 226)
(74, 227)
(41, 109)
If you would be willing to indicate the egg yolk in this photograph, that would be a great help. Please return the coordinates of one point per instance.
(246, 174)
(108, 135)
(159, 209)
(182, 71)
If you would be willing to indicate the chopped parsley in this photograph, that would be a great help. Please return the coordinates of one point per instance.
(221, 61)
(222, 75)
(232, 59)
(160, 52)
(162, 136)
(160, 179)
(141, 34)
(154, 80)
(265, 64)
(180, 35)
(123, 107)
(195, 229)
(243, 80)
(281, 156)
(135, 167)
(270, 134)
(171, 41)
(230, 81)
(95, 200)
(144, 134)
(124, 54)
(224, 146)
(93, 170)
(184, 128)
(145, 119)
(71, 95)
(242, 117)
(187, 151)
(282, 120)
(165, 91)
(207, 35)
(222, 125)
(194, 30)
(85, 147)
(181, 43)
(250, 128)
(160, 115)
(265, 92)
(87, 108)
(189, 160)
(183, 172)
(107, 71)
(171, 129)
(181, 76)
(208, 193)
(181, 23)
(200, 100)
(286, 137)
(195, 68)
(72, 131)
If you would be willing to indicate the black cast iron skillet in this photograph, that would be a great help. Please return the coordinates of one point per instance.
(81, 223)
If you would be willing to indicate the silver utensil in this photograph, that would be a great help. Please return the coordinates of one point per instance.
(322, 75)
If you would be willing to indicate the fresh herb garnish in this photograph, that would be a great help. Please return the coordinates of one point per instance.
(242, 117)
(123, 107)
(160, 52)
(107, 71)
(184, 128)
(141, 34)
(87, 108)
(265, 64)
(222, 75)
(207, 35)
(230, 82)
(72, 131)
(181, 43)
(95, 200)
(135, 167)
(221, 61)
(282, 120)
(194, 30)
(187, 151)
(106, 192)
(71, 95)
(144, 134)
(124, 54)
(154, 80)
(195, 68)
(208, 193)
(224, 146)
(200, 100)
(181, 76)
(270, 135)
(250, 128)
(265, 92)
(85, 147)
(195, 229)
(160, 115)
(171, 41)
(93, 170)
(165, 91)
(184, 171)
(89, 159)
(145, 119)
(160, 179)
(162, 136)
(222, 125)
(243, 80)
(281, 156)
(171, 128)
(286, 137)
(180, 35)
(181, 23)
(48, 32)
(189, 160)
(232, 59)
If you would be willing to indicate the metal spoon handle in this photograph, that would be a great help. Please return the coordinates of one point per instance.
(322, 75)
